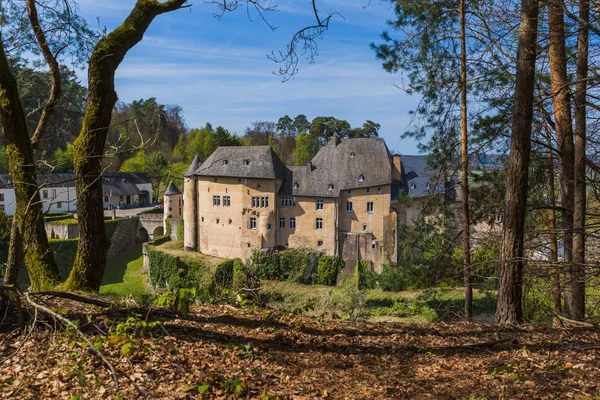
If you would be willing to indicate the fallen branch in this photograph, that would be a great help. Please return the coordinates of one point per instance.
(71, 296)
(72, 325)
(572, 322)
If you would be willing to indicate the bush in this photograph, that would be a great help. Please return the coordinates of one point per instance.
(239, 275)
(350, 299)
(364, 276)
(223, 275)
(168, 227)
(391, 279)
(328, 270)
(180, 231)
(266, 265)
(293, 264)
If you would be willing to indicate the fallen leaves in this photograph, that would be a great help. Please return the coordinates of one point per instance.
(223, 352)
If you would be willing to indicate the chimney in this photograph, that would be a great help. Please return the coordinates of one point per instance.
(397, 168)
(333, 141)
(309, 166)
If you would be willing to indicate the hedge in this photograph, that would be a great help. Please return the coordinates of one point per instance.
(166, 271)
(328, 270)
(57, 216)
(180, 231)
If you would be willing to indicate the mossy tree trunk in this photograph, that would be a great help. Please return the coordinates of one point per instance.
(110, 51)
(39, 259)
(15, 251)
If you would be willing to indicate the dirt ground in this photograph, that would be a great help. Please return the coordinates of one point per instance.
(223, 352)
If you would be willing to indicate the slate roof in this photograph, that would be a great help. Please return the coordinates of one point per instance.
(244, 162)
(115, 183)
(196, 163)
(172, 189)
(353, 163)
(418, 179)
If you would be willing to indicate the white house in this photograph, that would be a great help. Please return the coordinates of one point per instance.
(58, 194)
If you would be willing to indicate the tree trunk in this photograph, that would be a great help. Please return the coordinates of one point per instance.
(15, 251)
(564, 137)
(510, 289)
(551, 223)
(39, 259)
(577, 281)
(465, 167)
(90, 261)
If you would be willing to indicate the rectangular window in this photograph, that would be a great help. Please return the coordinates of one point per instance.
(319, 204)
(364, 228)
(239, 180)
(215, 179)
(120, 197)
(266, 202)
(348, 206)
(281, 223)
(288, 202)
(1, 207)
(252, 223)
(226, 201)
(269, 227)
(319, 223)
(54, 193)
(59, 204)
(253, 202)
(262, 202)
(319, 243)
(45, 194)
(230, 221)
(216, 201)
(378, 190)
(368, 190)
(218, 220)
(293, 223)
(1, 196)
(370, 206)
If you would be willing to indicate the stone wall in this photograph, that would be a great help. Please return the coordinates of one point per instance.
(62, 231)
(124, 238)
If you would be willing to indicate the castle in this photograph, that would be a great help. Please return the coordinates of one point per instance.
(343, 202)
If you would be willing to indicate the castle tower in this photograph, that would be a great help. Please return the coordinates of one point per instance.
(173, 203)
(190, 207)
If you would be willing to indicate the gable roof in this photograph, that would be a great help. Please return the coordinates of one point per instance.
(353, 163)
(419, 179)
(244, 162)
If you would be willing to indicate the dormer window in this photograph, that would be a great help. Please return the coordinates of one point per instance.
(224, 162)
(361, 178)
(330, 186)
(413, 186)
(352, 155)
(246, 162)
(296, 186)
(428, 186)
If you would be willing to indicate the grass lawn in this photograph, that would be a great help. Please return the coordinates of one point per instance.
(123, 275)
(175, 248)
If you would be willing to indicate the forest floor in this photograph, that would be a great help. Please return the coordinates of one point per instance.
(226, 352)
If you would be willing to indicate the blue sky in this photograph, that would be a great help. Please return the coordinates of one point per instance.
(218, 72)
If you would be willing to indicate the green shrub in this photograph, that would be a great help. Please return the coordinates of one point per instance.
(328, 270)
(350, 299)
(239, 275)
(391, 279)
(364, 276)
(168, 227)
(165, 270)
(292, 264)
(223, 275)
(266, 265)
(180, 231)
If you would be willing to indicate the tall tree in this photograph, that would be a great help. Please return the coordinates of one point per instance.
(108, 53)
(577, 281)
(465, 164)
(561, 101)
(510, 287)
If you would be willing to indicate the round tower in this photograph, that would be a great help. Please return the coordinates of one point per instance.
(173, 199)
(190, 207)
